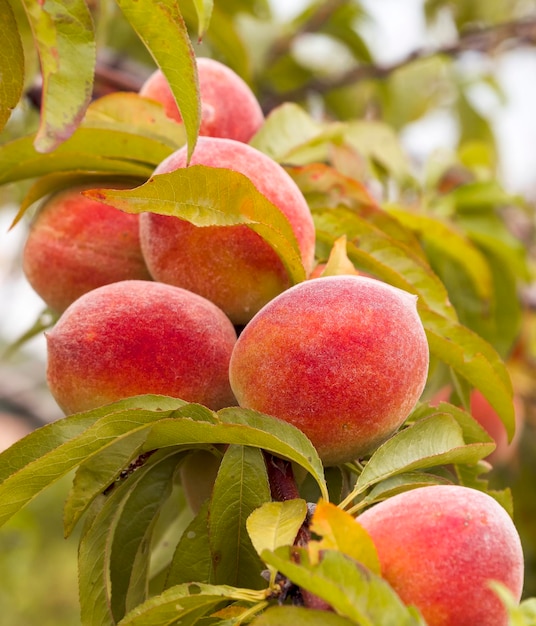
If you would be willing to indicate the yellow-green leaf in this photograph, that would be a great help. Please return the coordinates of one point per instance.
(339, 531)
(160, 25)
(210, 196)
(65, 40)
(11, 62)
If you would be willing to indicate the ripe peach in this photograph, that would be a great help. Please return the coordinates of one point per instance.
(76, 244)
(230, 265)
(228, 106)
(343, 358)
(136, 337)
(439, 546)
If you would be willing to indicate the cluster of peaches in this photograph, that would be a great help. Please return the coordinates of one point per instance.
(154, 304)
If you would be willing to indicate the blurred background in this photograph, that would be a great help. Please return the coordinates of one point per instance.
(469, 111)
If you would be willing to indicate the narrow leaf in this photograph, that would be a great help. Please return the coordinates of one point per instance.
(129, 112)
(209, 196)
(192, 559)
(129, 152)
(474, 359)
(11, 62)
(160, 26)
(65, 40)
(204, 11)
(96, 474)
(129, 564)
(241, 487)
(177, 603)
(453, 244)
(430, 442)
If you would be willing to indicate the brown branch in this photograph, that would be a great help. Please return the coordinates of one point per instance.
(486, 40)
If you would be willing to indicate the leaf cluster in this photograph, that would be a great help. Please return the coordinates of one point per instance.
(145, 557)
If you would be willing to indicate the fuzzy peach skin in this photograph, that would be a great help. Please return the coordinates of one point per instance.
(136, 337)
(439, 546)
(230, 265)
(343, 358)
(228, 106)
(76, 244)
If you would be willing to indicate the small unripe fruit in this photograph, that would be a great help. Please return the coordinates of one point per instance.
(343, 358)
(230, 265)
(77, 244)
(440, 546)
(139, 337)
(228, 106)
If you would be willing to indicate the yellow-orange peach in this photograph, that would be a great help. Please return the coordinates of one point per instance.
(76, 244)
(229, 107)
(439, 546)
(137, 337)
(230, 265)
(343, 358)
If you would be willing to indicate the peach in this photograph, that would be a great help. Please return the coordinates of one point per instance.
(229, 108)
(343, 358)
(439, 546)
(138, 337)
(76, 244)
(230, 265)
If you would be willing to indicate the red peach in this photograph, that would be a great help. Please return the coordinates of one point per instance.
(439, 546)
(137, 337)
(343, 358)
(228, 106)
(76, 244)
(230, 265)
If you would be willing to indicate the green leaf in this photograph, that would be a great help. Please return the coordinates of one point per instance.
(159, 24)
(398, 484)
(204, 11)
(93, 560)
(46, 454)
(129, 562)
(378, 143)
(241, 487)
(51, 183)
(387, 258)
(276, 524)
(209, 196)
(192, 559)
(472, 358)
(451, 243)
(178, 603)
(286, 128)
(129, 112)
(89, 149)
(98, 473)
(11, 62)
(298, 616)
(64, 37)
(429, 442)
(243, 427)
(352, 590)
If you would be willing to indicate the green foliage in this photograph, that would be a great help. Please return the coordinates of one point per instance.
(442, 234)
